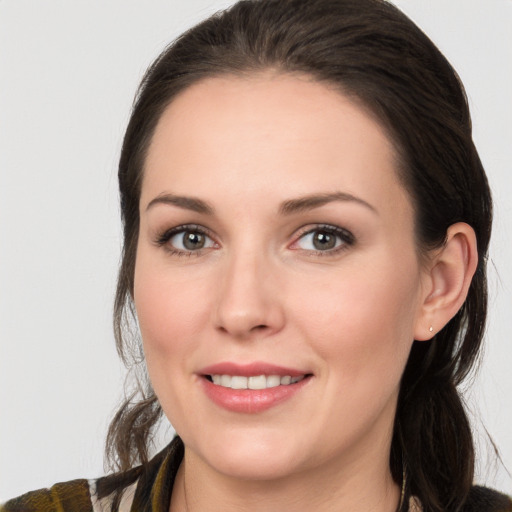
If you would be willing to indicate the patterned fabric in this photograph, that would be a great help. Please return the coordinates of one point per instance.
(151, 488)
(71, 496)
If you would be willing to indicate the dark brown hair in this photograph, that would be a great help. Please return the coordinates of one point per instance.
(372, 52)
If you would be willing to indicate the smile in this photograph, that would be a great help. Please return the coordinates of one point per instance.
(254, 382)
(252, 388)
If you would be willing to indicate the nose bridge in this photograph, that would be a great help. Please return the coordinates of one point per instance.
(248, 300)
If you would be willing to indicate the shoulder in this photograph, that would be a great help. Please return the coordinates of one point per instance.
(73, 496)
(483, 499)
(480, 499)
(122, 492)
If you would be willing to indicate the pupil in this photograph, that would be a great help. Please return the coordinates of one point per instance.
(323, 241)
(193, 241)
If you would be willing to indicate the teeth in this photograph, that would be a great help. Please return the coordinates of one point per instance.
(286, 380)
(259, 382)
(238, 382)
(256, 382)
(273, 381)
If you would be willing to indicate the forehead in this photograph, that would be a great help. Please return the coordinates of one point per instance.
(270, 134)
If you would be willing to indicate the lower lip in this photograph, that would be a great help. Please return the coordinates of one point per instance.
(251, 401)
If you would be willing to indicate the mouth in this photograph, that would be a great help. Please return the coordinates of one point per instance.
(252, 388)
(255, 382)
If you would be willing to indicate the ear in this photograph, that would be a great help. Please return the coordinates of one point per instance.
(447, 280)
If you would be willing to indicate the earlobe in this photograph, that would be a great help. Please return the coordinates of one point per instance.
(448, 280)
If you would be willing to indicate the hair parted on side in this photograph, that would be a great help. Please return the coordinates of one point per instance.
(373, 53)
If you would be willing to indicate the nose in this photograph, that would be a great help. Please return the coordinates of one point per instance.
(248, 303)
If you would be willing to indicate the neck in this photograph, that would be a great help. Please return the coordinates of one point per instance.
(365, 485)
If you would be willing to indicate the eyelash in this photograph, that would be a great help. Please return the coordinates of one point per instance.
(163, 239)
(346, 237)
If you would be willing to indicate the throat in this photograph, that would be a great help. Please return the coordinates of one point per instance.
(200, 487)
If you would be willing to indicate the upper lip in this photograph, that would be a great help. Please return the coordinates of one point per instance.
(250, 370)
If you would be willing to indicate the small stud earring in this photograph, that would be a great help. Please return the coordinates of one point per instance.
(431, 329)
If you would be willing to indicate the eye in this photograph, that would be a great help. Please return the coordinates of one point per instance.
(325, 239)
(189, 241)
(186, 240)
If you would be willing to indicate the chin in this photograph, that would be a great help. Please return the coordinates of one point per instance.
(256, 468)
(251, 457)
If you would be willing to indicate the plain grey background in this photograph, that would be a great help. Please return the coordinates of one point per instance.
(68, 73)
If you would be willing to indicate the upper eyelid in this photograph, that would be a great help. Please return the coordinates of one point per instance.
(311, 228)
(347, 238)
(188, 227)
(167, 234)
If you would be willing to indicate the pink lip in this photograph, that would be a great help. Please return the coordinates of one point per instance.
(250, 370)
(250, 401)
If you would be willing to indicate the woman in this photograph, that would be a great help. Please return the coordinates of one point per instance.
(306, 223)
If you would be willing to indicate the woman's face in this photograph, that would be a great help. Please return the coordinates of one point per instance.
(276, 245)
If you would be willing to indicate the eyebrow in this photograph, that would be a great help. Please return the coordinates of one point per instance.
(316, 200)
(288, 207)
(187, 203)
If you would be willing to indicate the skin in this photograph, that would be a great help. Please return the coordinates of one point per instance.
(260, 291)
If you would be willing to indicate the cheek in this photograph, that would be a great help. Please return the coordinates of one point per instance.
(362, 320)
(170, 314)
(168, 311)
